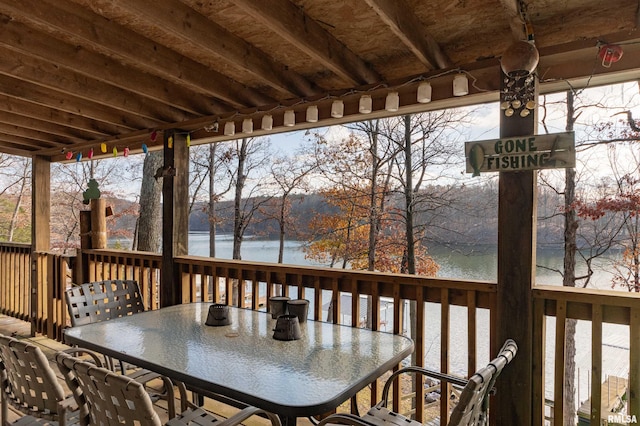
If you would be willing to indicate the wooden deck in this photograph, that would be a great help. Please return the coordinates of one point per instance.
(21, 330)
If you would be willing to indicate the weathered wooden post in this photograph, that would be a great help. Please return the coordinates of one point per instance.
(175, 215)
(98, 224)
(40, 234)
(516, 275)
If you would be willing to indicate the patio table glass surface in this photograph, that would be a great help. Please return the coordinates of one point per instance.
(299, 378)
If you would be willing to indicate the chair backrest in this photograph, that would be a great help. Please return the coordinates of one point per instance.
(473, 405)
(104, 397)
(103, 300)
(28, 381)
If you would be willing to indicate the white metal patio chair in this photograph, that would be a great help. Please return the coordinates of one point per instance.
(472, 407)
(106, 398)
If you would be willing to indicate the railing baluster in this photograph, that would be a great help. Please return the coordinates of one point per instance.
(558, 389)
(596, 364)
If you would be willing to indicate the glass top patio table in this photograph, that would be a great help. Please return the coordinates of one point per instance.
(242, 361)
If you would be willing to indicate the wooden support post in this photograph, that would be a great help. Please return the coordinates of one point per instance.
(516, 272)
(82, 264)
(40, 233)
(98, 224)
(175, 215)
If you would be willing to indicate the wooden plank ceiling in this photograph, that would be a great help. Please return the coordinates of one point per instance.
(76, 74)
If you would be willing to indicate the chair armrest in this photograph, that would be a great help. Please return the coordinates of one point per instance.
(77, 352)
(443, 377)
(345, 419)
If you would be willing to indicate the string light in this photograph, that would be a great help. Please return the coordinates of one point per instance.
(229, 128)
(247, 125)
(460, 85)
(267, 122)
(392, 103)
(289, 118)
(337, 109)
(422, 90)
(365, 104)
(423, 95)
(312, 114)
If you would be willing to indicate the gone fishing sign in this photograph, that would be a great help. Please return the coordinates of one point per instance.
(521, 153)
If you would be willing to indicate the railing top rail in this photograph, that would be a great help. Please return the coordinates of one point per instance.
(25, 246)
(125, 253)
(319, 271)
(587, 295)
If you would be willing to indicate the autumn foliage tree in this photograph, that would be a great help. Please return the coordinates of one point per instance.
(625, 204)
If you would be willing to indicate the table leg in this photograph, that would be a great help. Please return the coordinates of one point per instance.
(288, 420)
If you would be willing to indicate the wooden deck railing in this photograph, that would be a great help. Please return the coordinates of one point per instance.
(44, 308)
(15, 279)
(598, 309)
(457, 318)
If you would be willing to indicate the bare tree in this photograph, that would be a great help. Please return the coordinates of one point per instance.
(251, 156)
(15, 175)
(290, 173)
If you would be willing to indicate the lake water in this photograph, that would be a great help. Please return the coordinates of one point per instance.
(464, 263)
(477, 263)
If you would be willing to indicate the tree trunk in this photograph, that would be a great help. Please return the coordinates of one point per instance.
(212, 200)
(149, 221)
(374, 217)
(569, 278)
(238, 219)
(16, 210)
(281, 225)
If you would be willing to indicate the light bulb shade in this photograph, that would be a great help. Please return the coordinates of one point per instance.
(267, 122)
(247, 125)
(392, 102)
(424, 93)
(337, 109)
(229, 128)
(460, 85)
(289, 118)
(366, 104)
(312, 114)
(520, 59)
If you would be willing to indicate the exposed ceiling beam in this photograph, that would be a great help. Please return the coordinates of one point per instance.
(514, 15)
(44, 74)
(180, 22)
(19, 38)
(39, 137)
(74, 25)
(56, 130)
(291, 23)
(53, 115)
(53, 99)
(404, 24)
